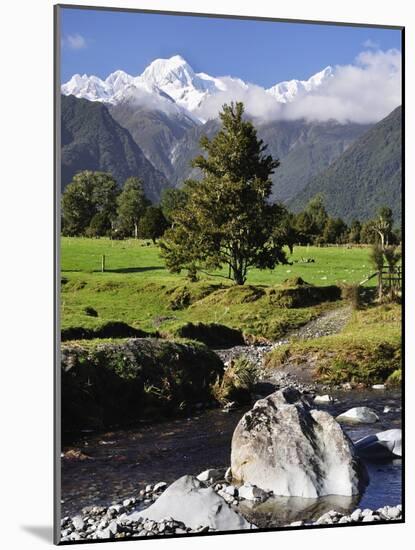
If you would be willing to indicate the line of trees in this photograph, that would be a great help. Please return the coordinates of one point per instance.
(94, 206)
(226, 218)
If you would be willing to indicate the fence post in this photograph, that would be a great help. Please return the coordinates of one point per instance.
(103, 263)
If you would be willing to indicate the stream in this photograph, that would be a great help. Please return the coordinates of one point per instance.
(124, 461)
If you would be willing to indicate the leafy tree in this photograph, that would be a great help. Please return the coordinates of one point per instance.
(355, 230)
(286, 230)
(153, 224)
(171, 200)
(305, 228)
(132, 204)
(99, 226)
(334, 230)
(88, 194)
(368, 234)
(317, 212)
(105, 193)
(227, 218)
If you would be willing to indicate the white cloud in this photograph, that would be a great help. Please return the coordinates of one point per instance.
(74, 41)
(365, 91)
(371, 44)
(257, 101)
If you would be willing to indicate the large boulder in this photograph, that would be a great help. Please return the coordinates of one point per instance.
(284, 446)
(188, 501)
(387, 444)
(358, 415)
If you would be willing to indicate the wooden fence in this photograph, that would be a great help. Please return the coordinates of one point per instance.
(392, 278)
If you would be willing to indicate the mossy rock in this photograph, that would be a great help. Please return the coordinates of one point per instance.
(118, 384)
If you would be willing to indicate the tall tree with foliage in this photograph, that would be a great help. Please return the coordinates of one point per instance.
(227, 219)
(132, 204)
(89, 194)
(355, 232)
(152, 224)
(334, 231)
(317, 212)
(172, 199)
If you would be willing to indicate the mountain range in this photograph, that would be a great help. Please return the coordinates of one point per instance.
(92, 140)
(150, 125)
(173, 86)
(368, 174)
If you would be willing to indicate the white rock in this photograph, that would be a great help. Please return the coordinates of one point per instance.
(186, 500)
(323, 399)
(103, 534)
(387, 444)
(283, 446)
(159, 486)
(387, 409)
(231, 490)
(345, 519)
(78, 523)
(211, 475)
(251, 492)
(358, 415)
(378, 387)
(356, 515)
(394, 512)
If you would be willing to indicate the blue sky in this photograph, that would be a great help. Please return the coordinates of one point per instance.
(262, 52)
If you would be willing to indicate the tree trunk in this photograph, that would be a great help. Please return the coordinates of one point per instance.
(380, 286)
(135, 231)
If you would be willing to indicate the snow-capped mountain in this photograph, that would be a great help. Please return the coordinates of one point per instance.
(289, 90)
(172, 82)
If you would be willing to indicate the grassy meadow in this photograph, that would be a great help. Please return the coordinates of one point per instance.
(368, 350)
(137, 289)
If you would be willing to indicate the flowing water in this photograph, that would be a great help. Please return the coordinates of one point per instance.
(123, 461)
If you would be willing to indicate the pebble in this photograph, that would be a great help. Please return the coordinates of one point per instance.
(100, 522)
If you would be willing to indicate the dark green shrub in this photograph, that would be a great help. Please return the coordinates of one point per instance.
(211, 334)
(237, 382)
(90, 311)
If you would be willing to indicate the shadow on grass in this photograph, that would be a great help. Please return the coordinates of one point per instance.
(118, 270)
(134, 269)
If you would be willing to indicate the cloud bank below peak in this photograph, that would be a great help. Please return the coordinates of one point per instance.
(363, 92)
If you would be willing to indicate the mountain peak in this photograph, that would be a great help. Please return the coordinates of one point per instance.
(173, 79)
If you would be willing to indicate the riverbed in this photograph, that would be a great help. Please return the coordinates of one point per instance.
(118, 464)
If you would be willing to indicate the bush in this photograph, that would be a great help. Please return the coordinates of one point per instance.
(90, 311)
(237, 382)
(180, 299)
(211, 334)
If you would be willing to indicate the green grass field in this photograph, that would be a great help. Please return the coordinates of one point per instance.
(138, 290)
(134, 259)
